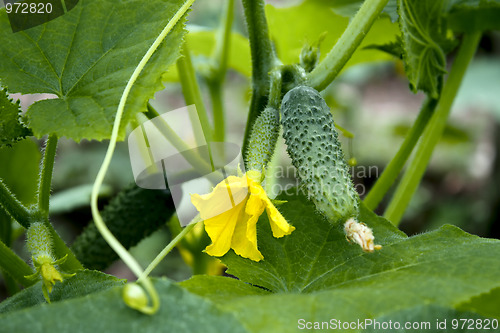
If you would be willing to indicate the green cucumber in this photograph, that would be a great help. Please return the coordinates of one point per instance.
(263, 137)
(39, 242)
(313, 145)
(132, 215)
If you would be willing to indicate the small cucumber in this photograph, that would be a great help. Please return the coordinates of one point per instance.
(132, 215)
(39, 242)
(263, 137)
(313, 145)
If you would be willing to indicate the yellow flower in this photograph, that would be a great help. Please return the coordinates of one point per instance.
(45, 268)
(230, 213)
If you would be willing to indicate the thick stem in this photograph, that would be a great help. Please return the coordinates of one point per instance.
(15, 266)
(395, 166)
(342, 51)
(263, 59)
(45, 179)
(13, 206)
(191, 91)
(433, 132)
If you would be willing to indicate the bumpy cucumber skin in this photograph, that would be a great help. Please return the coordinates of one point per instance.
(132, 215)
(313, 145)
(263, 139)
(39, 241)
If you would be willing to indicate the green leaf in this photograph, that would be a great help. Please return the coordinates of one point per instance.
(424, 38)
(86, 57)
(474, 15)
(306, 22)
(394, 48)
(105, 311)
(314, 253)
(486, 304)
(11, 128)
(83, 283)
(220, 289)
(315, 274)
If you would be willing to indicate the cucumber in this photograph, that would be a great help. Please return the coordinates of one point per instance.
(132, 215)
(313, 145)
(39, 242)
(263, 137)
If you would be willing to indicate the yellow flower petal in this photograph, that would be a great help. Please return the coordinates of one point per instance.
(231, 212)
(226, 195)
(245, 239)
(220, 229)
(279, 225)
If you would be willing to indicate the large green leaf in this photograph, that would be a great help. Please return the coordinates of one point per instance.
(11, 128)
(424, 38)
(105, 311)
(292, 27)
(83, 283)
(486, 304)
(474, 15)
(314, 256)
(316, 275)
(85, 58)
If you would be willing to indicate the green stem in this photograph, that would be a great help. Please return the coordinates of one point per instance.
(45, 180)
(191, 91)
(167, 249)
(15, 266)
(330, 67)
(395, 166)
(433, 132)
(215, 89)
(13, 206)
(263, 59)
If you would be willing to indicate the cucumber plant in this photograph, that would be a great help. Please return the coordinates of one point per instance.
(103, 61)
